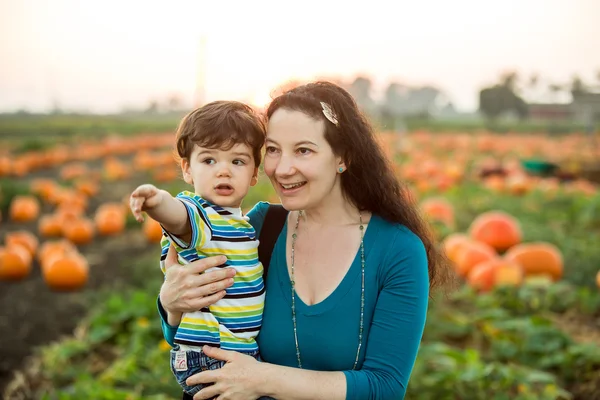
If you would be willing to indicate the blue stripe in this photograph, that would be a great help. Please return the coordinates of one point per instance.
(198, 338)
(236, 289)
(239, 320)
(228, 234)
(246, 325)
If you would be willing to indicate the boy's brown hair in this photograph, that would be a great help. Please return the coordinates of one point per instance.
(221, 124)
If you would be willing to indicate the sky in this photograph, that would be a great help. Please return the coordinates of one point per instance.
(102, 56)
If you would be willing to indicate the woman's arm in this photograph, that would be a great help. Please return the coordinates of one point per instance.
(243, 377)
(398, 323)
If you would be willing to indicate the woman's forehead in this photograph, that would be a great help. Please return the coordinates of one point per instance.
(286, 125)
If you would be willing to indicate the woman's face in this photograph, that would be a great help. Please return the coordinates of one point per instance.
(299, 162)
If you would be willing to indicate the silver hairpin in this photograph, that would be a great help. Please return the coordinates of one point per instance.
(329, 114)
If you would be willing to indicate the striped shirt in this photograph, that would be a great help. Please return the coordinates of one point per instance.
(233, 322)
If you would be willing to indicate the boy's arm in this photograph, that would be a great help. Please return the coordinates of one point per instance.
(162, 207)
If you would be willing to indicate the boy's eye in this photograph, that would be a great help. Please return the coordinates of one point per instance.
(304, 151)
(239, 162)
(209, 161)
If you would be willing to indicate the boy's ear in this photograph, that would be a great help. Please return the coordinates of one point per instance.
(254, 179)
(185, 170)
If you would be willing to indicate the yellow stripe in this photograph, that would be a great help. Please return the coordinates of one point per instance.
(215, 250)
(250, 272)
(237, 308)
(200, 321)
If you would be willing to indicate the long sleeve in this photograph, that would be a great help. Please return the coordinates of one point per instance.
(168, 330)
(397, 326)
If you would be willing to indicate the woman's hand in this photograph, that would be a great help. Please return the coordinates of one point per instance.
(239, 379)
(187, 289)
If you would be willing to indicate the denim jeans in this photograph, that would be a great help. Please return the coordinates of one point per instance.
(192, 362)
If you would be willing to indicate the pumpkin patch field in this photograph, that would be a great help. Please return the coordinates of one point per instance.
(79, 277)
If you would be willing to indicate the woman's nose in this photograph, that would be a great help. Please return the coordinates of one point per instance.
(285, 166)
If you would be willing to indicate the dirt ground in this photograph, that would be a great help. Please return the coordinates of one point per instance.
(32, 315)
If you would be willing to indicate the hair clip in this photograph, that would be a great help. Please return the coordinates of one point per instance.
(329, 114)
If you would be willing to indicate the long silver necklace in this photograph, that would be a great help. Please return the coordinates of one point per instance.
(362, 291)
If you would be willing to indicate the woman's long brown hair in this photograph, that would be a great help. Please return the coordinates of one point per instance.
(369, 182)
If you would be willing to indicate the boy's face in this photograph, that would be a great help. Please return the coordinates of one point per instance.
(222, 177)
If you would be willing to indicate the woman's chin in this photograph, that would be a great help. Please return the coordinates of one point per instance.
(291, 204)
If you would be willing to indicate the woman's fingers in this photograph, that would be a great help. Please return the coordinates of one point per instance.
(219, 354)
(199, 303)
(204, 377)
(202, 265)
(209, 392)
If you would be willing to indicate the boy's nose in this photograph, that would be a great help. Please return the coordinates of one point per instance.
(224, 171)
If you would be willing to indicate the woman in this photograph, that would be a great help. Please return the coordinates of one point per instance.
(349, 277)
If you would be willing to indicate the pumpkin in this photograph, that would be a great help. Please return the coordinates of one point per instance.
(472, 254)
(493, 273)
(110, 222)
(15, 262)
(79, 231)
(453, 243)
(598, 279)
(51, 248)
(65, 273)
(23, 238)
(24, 208)
(508, 274)
(50, 225)
(537, 258)
(152, 230)
(496, 228)
(438, 209)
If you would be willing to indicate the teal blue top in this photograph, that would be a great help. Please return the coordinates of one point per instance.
(396, 299)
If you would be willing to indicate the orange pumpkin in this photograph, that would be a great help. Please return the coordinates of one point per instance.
(50, 225)
(493, 273)
(538, 258)
(79, 231)
(69, 272)
(15, 262)
(152, 230)
(472, 254)
(496, 228)
(110, 219)
(53, 248)
(453, 243)
(438, 209)
(598, 279)
(24, 208)
(22, 238)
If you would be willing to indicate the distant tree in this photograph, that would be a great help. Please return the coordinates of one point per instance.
(499, 99)
(361, 89)
(509, 80)
(534, 79)
(174, 103)
(577, 86)
(152, 107)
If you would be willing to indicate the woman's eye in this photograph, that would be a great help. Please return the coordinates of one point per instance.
(304, 151)
(209, 161)
(271, 149)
